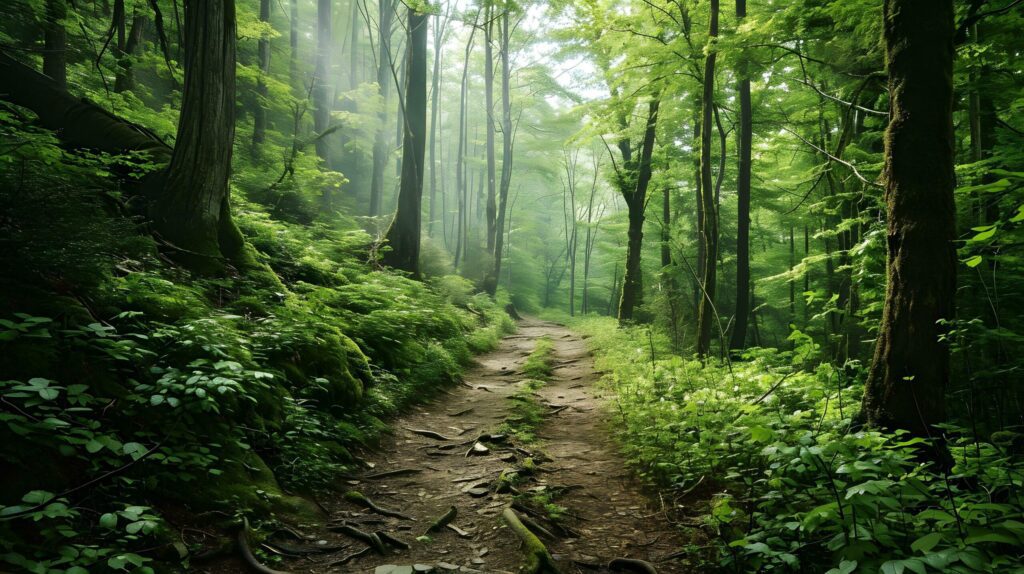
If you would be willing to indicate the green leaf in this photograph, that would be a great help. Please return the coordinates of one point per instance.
(925, 543)
(973, 261)
(109, 520)
(93, 446)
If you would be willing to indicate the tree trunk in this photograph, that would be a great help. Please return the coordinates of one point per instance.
(404, 235)
(193, 214)
(739, 333)
(293, 44)
(506, 150)
(380, 145)
(492, 206)
(435, 95)
(55, 42)
(907, 381)
(323, 92)
(460, 156)
(632, 280)
(709, 230)
(259, 130)
(125, 77)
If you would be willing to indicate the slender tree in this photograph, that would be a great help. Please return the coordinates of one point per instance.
(908, 377)
(263, 47)
(440, 24)
(323, 93)
(507, 141)
(492, 206)
(381, 149)
(125, 78)
(738, 339)
(709, 229)
(404, 234)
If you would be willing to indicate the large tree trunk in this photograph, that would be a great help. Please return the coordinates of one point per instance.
(55, 42)
(506, 152)
(709, 229)
(259, 130)
(907, 381)
(380, 145)
(739, 333)
(632, 280)
(323, 93)
(404, 234)
(193, 213)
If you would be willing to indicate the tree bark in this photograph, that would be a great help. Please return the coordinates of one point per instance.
(908, 377)
(492, 206)
(259, 130)
(632, 280)
(125, 77)
(380, 144)
(435, 95)
(323, 93)
(709, 229)
(55, 42)
(404, 235)
(460, 156)
(738, 339)
(506, 152)
(193, 213)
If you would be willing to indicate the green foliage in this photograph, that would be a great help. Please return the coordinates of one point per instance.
(801, 488)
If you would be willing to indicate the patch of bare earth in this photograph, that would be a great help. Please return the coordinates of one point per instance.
(437, 460)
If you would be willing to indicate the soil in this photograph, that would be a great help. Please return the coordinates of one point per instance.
(607, 513)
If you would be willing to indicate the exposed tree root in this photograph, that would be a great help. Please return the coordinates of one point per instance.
(391, 540)
(631, 565)
(443, 520)
(246, 551)
(359, 498)
(538, 559)
(536, 527)
(350, 557)
(372, 540)
(428, 434)
(390, 473)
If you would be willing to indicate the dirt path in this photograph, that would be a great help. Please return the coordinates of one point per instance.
(606, 510)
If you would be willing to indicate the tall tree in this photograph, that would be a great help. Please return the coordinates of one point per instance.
(738, 338)
(381, 149)
(636, 202)
(125, 78)
(323, 93)
(435, 96)
(404, 234)
(263, 47)
(461, 186)
(507, 140)
(193, 214)
(709, 225)
(492, 206)
(908, 376)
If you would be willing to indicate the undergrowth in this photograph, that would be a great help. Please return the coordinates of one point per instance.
(141, 405)
(526, 414)
(794, 485)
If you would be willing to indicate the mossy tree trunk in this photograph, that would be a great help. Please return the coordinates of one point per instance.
(192, 213)
(908, 376)
(404, 234)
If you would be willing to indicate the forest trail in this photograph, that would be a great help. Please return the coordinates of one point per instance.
(608, 515)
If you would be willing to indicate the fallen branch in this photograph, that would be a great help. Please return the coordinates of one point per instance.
(462, 412)
(359, 498)
(246, 551)
(536, 527)
(443, 520)
(631, 565)
(538, 559)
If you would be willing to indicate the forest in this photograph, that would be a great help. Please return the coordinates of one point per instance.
(297, 286)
